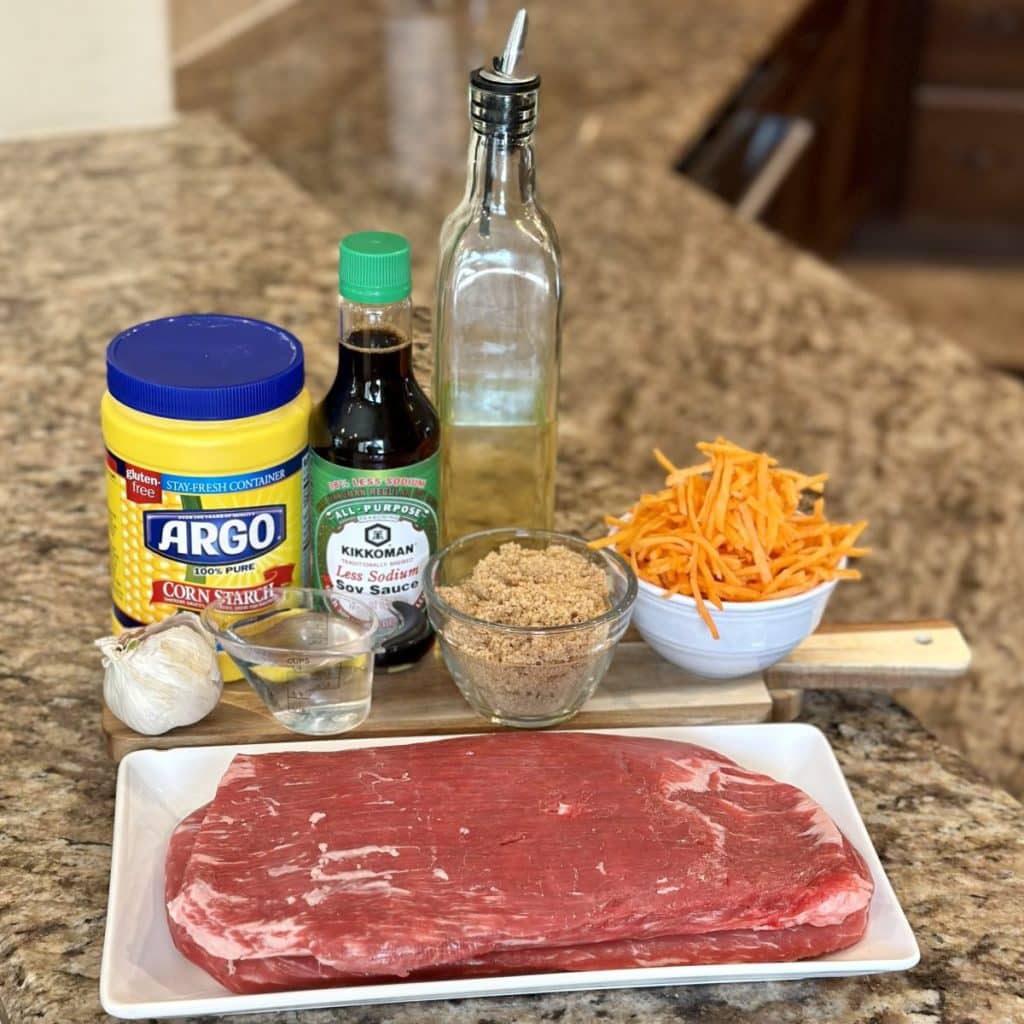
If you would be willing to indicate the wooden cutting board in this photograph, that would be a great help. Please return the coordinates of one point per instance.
(640, 689)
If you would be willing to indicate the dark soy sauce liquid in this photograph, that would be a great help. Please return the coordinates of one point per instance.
(376, 416)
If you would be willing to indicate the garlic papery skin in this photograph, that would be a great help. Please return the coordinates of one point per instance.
(162, 676)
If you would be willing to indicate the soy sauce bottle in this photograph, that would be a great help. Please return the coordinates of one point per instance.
(373, 469)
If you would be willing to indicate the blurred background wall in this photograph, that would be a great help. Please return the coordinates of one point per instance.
(72, 66)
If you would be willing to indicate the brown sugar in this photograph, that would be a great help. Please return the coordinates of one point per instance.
(519, 586)
(529, 675)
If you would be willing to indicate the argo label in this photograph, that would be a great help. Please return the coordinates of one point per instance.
(373, 530)
(181, 541)
(214, 538)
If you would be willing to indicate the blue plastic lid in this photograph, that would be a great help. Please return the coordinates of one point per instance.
(207, 367)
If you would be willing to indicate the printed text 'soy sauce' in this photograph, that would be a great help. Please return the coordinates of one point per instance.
(205, 422)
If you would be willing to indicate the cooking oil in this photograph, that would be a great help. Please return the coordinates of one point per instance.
(497, 476)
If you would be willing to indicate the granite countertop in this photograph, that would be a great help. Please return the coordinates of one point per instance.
(102, 232)
(365, 104)
(709, 325)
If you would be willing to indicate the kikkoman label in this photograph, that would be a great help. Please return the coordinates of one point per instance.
(373, 530)
(181, 541)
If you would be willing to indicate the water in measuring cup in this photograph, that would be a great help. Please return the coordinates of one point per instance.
(286, 657)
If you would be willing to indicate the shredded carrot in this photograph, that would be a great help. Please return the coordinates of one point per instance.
(730, 529)
(663, 461)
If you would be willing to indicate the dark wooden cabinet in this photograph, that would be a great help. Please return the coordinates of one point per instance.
(842, 70)
(824, 59)
(966, 158)
(976, 43)
(917, 114)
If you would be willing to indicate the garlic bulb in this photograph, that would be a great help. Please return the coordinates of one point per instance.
(161, 676)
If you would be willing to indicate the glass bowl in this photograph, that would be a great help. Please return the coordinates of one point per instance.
(526, 676)
(308, 654)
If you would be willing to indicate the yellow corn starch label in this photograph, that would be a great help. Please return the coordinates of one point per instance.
(180, 541)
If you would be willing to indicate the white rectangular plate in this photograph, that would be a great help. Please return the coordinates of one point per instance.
(143, 975)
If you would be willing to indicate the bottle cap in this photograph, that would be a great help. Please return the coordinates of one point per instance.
(501, 106)
(373, 268)
(204, 367)
(502, 103)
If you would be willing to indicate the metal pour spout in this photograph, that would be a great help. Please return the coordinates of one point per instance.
(514, 46)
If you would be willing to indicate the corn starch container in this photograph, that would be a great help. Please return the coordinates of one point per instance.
(205, 422)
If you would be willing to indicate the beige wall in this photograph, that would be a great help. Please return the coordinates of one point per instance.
(70, 65)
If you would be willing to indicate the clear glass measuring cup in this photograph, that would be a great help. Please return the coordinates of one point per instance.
(307, 653)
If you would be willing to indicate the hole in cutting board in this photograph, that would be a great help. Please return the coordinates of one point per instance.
(923, 638)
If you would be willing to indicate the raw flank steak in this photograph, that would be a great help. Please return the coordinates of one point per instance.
(504, 854)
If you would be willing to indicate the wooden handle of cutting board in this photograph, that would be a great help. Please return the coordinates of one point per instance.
(874, 656)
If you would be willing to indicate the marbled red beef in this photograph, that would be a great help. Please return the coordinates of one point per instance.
(504, 854)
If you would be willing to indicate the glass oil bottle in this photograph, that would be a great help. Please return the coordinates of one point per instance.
(497, 324)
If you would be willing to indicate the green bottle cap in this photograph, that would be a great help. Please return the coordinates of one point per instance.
(373, 268)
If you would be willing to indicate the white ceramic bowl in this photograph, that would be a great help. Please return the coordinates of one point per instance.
(754, 634)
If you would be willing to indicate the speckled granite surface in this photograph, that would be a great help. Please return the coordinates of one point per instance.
(680, 322)
(365, 104)
(724, 330)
